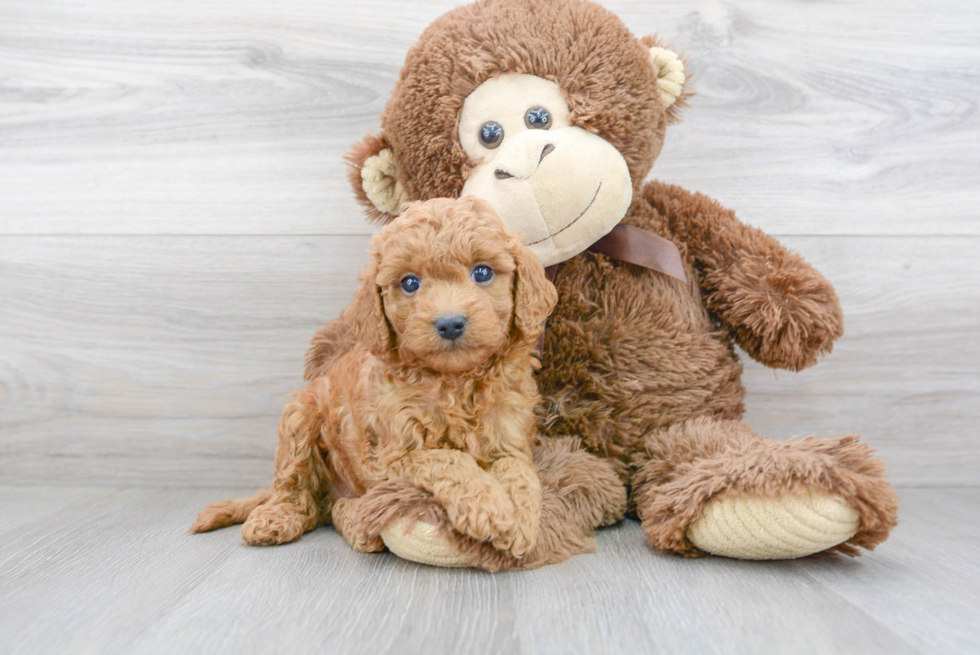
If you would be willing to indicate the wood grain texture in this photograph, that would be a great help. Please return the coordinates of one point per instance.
(118, 574)
(934, 571)
(174, 221)
(161, 359)
(168, 360)
(231, 116)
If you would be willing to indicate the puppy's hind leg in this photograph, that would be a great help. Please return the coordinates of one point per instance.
(300, 499)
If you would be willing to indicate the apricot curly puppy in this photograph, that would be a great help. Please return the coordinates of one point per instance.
(437, 395)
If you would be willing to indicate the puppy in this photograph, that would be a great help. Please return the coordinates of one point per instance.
(437, 394)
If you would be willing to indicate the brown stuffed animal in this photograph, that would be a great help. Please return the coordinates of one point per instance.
(554, 112)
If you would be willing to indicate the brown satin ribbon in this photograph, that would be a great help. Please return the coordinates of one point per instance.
(632, 245)
(635, 245)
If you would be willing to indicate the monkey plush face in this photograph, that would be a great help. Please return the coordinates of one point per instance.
(554, 182)
(550, 110)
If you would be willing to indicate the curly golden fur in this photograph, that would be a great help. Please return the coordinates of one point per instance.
(408, 407)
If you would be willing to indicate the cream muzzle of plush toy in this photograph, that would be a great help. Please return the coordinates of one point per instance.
(562, 187)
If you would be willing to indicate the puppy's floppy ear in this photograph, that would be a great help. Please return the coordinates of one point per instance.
(534, 295)
(366, 313)
(372, 173)
(672, 78)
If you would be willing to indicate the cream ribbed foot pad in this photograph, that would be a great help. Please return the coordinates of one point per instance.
(785, 527)
(420, 543)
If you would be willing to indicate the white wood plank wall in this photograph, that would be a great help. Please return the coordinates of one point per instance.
(175, 222)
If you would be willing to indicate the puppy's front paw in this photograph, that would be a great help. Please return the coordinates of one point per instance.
(517, 542)
(500, 528)
(269, 525)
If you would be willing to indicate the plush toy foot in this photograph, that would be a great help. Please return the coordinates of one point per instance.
(711, 486)
(418, 541)
(785, 527)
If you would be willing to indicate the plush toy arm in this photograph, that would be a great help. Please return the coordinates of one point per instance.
(477, 503)
(777, 307)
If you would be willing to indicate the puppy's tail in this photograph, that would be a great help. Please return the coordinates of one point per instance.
(229, 512)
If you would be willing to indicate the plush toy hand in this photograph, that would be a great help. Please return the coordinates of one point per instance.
(781, 310)
(778, 308)
(422, 542)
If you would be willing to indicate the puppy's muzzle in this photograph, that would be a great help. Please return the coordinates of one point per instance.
(451, 327)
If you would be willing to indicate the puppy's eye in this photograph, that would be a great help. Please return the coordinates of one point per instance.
(482, 274)
(410, 284)
(537, 118)
(491, 134)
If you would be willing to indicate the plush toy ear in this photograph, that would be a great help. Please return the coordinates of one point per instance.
(371, 171)
(670, 76)
(366, 313)
(534, 295)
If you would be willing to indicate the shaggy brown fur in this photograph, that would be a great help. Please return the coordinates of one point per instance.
(634, 360)
(407, 414)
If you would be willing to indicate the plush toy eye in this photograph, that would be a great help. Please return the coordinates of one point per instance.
(482, 274)
(537, 118)
(410, 284)
(491, 134)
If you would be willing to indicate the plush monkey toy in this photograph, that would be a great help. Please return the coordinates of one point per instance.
(554, 112)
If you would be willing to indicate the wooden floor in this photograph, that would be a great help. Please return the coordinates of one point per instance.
(111, 570)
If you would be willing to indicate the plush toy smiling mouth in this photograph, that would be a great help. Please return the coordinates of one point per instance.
(574, 221)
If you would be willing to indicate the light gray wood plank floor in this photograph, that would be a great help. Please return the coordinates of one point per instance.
(105, 570)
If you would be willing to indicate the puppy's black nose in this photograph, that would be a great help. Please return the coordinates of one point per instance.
(451, 327)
